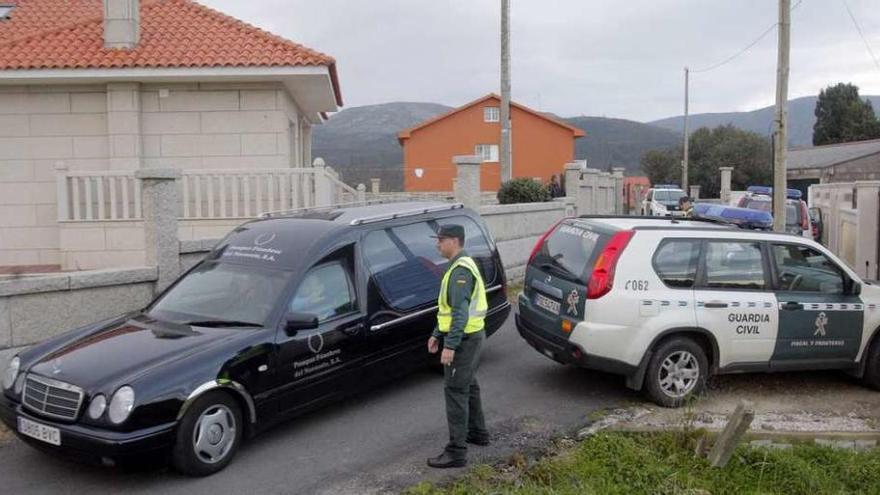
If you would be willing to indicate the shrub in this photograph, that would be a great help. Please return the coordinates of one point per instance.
(522, 190)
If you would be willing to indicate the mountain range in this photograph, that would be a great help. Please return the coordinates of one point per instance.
(361, 142)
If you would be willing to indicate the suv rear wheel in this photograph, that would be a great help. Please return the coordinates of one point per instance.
(676, 372)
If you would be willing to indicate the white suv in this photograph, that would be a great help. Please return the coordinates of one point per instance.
(668, 302)
(662, 201)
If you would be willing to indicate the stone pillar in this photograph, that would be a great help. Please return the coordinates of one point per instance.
(726, 173)
(122, 24)
(61, 191)
(468, 186)
(306, 146)
(323, 187)
(572, 179)
(695, 192)
(617, 173)
(587, 195)
(868, 201)
(362, 194)
(124, 126)
(374, 185)
(159, 202)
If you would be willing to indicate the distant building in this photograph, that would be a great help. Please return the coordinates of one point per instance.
(634, 189)
(541, 144)
(845, 162)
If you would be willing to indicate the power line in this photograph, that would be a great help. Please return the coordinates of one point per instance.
(861, 34)
(747, 48)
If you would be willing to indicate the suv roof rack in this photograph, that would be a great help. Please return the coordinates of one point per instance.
(406, 213)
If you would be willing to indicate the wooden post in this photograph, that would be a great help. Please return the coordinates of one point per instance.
(737, 425)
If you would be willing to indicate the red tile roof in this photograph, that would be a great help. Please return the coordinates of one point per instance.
(68, 34)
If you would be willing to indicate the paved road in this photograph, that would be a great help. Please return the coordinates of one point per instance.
(376, 441)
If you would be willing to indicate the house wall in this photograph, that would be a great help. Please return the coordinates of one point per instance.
(540, 148)
(193, 126)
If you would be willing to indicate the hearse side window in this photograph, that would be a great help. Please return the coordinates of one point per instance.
(405, 265)
(676, 262)
(326, 292)
(800, 268)
(734, 265)
(476, 245)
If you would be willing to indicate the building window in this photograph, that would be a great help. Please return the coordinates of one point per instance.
(491, 114)
(488, 152)
(5, 10)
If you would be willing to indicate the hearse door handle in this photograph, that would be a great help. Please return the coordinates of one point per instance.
(353, 330)
(716, 304)
(792, 306)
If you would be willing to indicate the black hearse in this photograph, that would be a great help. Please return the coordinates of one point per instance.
(287, 313)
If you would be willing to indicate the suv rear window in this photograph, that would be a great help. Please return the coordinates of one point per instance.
(570, 250)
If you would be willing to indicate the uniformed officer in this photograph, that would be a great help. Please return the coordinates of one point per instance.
(462, 311)
(686, 206)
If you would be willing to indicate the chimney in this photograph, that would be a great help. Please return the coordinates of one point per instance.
(122, 24)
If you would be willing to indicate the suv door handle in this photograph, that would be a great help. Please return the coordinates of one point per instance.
(716, 304)
(792, 306)
(353, 330)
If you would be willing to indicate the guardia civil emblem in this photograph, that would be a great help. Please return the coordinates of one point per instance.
(821, 321)
(572, 301)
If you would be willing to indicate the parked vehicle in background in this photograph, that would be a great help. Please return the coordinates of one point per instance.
(816, 223)
(662, 201)
(746, 218)
(797, 216)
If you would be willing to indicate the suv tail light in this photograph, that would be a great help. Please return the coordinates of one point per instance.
(602, 278)
(805, 217)
(544, 238)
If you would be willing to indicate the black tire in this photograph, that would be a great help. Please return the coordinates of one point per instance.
(872, 366)
(216, 408)
(657, 381)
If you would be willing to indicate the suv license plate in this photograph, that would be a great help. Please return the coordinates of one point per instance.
(39, 431)
(547, 303)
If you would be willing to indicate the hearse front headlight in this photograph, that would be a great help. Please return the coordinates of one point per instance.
(11, 373)
(121, 404)
(97, 407)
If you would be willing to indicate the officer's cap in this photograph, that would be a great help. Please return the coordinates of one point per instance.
(451, 230)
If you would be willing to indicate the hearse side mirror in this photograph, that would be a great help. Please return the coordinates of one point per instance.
(299, 321)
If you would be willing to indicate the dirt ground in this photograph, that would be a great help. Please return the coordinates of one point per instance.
(5, 434)
(820, 401)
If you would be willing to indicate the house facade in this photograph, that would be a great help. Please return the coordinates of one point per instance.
(541, 145)
(114, 86)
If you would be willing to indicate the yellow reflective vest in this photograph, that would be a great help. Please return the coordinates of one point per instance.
(478, 306)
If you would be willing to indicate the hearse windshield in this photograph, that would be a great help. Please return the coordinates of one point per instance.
(222, 294)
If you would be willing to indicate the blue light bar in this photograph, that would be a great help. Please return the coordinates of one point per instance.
(768, 191)
(743, 217)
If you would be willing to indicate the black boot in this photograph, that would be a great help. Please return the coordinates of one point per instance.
(445, 460)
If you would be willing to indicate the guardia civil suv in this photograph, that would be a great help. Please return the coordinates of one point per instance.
(668, 302)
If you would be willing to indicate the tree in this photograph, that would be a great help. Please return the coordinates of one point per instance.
(842, 116)
(747, 152)
(662, 166)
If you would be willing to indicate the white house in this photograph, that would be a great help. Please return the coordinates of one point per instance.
(92, 90)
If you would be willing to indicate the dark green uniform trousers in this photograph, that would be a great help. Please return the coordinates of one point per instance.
(464, 410)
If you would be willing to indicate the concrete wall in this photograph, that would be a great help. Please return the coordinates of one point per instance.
(125, 126)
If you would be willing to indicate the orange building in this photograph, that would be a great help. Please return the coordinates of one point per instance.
(541, 145)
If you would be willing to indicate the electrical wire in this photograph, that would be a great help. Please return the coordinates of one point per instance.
(747, 48)
(861, 34)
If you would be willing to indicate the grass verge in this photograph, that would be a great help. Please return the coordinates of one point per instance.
(632, 463)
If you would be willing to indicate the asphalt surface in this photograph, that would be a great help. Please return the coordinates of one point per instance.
(374, 442)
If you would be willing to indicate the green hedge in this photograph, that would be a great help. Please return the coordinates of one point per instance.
(522, 190)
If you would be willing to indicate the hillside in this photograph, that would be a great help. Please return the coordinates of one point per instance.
(800, 118)
(361, 142)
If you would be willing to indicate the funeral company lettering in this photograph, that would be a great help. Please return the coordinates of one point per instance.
(748, 323)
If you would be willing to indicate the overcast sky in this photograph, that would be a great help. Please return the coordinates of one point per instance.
(614, 58)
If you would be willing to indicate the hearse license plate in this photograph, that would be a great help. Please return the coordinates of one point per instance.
(39, 431)
(547, 303)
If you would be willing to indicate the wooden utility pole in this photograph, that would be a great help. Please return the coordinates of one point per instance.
(684, 161)
(506, 155)
(781, 141)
